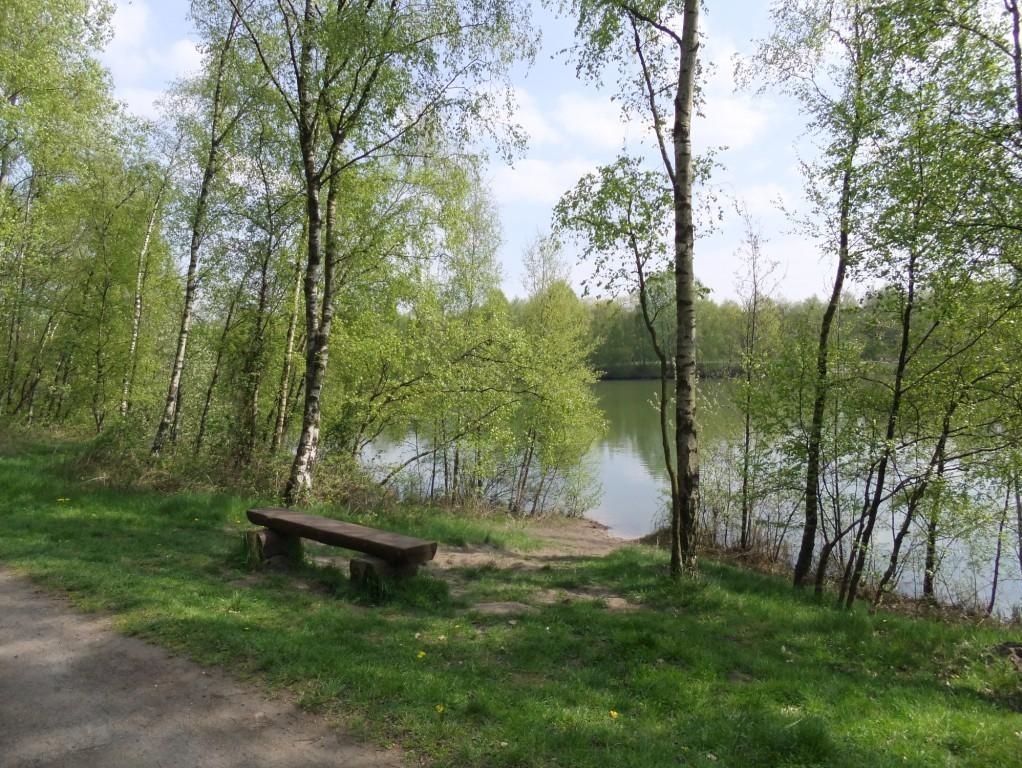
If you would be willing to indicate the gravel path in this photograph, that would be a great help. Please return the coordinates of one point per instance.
(75, 693)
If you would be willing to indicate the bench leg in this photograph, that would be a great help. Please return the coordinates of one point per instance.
(264, 547)
(367, 569)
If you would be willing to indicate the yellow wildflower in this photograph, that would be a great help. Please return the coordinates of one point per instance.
(439, 708)
(613, 714)
(420, 655)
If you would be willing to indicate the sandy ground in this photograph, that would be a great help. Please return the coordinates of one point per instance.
(74, 693)
(562, 541)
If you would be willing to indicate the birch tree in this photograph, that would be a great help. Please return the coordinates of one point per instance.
(221, 113)
(659, 82)
(826, 53)
(360, 80)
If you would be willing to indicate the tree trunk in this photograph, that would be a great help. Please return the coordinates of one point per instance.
(1018, 517)
(997, 554)
(71, 347)
(99, 385)
(858, 553)
(821, 383)
(198, 222)
(745, 536)
(665, 400)
(678, 166)
(821, 567)
(253, 367)
(913, 504)
(14, 335)
(300, 479)
(141, 269)
(175, 427)
(750, 364)
(285, 371)
(930, 566)
(296, 388)
(1015, 14)
(521, 477)
(61, 373)
(216, 366)
(191, 284)
(685, 428)
(455, 493)
(318, 316)
(31, 383)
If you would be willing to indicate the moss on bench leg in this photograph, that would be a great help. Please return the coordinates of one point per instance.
(266, 548)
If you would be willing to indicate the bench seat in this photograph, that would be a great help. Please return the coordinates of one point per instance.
(394, 548)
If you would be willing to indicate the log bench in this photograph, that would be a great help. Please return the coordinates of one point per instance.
(387, 554)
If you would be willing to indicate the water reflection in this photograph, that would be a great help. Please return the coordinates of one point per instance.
(629, 466)
(629, 461)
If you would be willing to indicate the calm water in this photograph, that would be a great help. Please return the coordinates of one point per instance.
(629, 467)
(629, 460)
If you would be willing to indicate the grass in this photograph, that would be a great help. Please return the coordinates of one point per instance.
(728, 669)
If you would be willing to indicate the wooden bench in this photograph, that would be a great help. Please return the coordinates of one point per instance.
(387, 554)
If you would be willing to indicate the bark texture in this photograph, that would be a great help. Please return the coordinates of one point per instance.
(686, 430)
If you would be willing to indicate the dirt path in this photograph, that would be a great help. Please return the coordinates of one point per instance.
(75, 693)
(561, 539)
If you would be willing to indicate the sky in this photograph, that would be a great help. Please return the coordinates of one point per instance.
(574, 127)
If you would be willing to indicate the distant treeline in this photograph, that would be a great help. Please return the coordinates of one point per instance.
(622, 349)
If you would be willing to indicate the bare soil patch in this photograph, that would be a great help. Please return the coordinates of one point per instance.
(562, 540)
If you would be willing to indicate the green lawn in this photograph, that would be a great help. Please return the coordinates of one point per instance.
(729, 670)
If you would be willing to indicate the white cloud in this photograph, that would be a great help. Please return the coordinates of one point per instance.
(130, 21)
(596, 121)
(765, 200)
(538, 181)
(529, 116)
(720, 58)
(733, 122)
(801, 270)
(184, 59)
(140, 101)
(125, 54)
(588, 121)
(804, 270)
(141, 63)
(736, 120)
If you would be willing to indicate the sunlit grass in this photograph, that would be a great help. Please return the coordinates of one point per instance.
(728, 669)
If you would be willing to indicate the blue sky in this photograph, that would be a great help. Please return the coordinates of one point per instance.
(573, 128)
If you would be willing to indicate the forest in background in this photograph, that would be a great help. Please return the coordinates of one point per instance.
(301, 254)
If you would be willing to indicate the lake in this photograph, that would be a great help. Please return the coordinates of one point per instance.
(627, 465)
(629, 459)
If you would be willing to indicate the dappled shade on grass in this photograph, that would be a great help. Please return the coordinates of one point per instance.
(730, 668)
